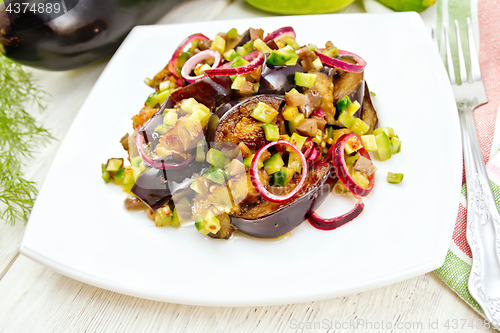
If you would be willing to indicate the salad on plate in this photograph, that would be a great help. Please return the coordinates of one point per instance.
(250, 132)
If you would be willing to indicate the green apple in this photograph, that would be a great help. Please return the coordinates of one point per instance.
(300, 6)
(407, 5)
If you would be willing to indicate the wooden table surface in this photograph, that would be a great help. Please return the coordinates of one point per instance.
(34, 298)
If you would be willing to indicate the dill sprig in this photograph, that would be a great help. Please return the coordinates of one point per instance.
(19, 137)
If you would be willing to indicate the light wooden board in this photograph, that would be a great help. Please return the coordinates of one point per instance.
(36, 299)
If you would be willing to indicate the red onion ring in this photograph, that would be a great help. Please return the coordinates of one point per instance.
(172, 65)
(343, 65)
(194, 60)
(256, 59)
(254, 173)
(309, 147)
(139, 140)
(342, 171)
(280, 33)
(314, 156)
(333, 223)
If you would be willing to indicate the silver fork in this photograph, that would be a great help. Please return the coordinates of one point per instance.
(483, 219)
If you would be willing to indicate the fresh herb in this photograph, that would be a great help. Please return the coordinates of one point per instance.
(19, 137)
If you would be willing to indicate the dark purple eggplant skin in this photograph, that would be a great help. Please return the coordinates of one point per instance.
(92, 30)
(208, 91)
(278, 79)
(155, 187)
(285, 219)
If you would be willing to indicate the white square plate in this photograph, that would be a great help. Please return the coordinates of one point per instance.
(80, 228)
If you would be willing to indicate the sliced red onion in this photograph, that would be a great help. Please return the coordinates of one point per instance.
(309, 147)
(280, 33)
(256, 59)
(172, 65)
(342, 171)
(197, 58)
(333, 223)
(254, 173)
(139, 140)
(343, 65)
(314, 156)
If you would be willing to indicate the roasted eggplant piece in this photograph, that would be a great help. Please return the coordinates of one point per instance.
(368, 113)
(255, 216)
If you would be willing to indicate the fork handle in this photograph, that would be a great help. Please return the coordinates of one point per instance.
(483, 220)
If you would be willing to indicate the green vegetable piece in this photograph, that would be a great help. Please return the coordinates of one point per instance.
(394, 178)
(238, 82)
(292, 42)
(290, 113)
(129, 176)
(305, 79)
(170, 118)
(372, 94)
(209, 224)
(283, 176)
(396, 144)
(294, 162)
(292, 124)
(216, 175)
(359, 127)
(114, 164)
(231, 34)
(216, 158)
(200, 151)
(183, 57)
(136, 161)
(349, 160)
(388, 130)
(119, 177)
(343, 104)
(157, 98)
(331, 52)
(346, 119)
(352, 108)
(369, 142)
(272, 132)
(105, 174)
(261, 46)
(277, 58)
(162, 129)
(176, 221)
(330, 131)
(263, 112)
(218, 44)
(230, 55)
(248, 161)
(298, 140)
(352, 145)
(238, 62)
(194, 186)
(163, 216)
(274, 164)
(384, 148)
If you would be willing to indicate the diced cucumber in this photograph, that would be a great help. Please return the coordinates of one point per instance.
(164, 85)
(238, 62)
(305, 79)
(176, 221)
(277, 58)
(162, 129)
(343, 104)
(209, 224)
(331, 52)
(298, 140)
(129, 176)
(248, 161)
(359, 127)
(317, 64)
(274, 164)
(264, 113)
(105, 174)
(136, 161)
(218, 44)
(352, 145)
(346, 119)
(396, 144)
(384, 149)
(194, 186)
(114, 164)
(284, 176)
(294, 162)
(292, 124)
(200, 151)
(352, 108)
(216, 175)
(216, 158)
(157, 98)
(272, 132)
(394, 178)
(361, 179)
(231, 34)
(170, 118)
(119, 177)
(369, 142)
(261, 46)
(349, 160)
(230, 55)
(238, 82)
(388, 130)
(163, 216)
